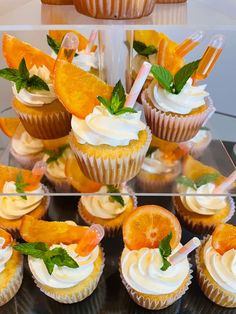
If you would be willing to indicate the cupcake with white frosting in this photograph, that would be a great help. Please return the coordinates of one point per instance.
(11, 268)
(108, 210)
(200, 142)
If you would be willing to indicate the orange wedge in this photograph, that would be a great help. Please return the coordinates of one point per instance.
(77, 89)
(77, 179)
(14, 50)
(163, 145)
(9, 125)
(148, 225)
(54, 144)
(34, 230)
(224, 238)
(7, 237)
(58, 36)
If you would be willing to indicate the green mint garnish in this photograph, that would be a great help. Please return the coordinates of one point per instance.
(151, 150)
(57, 256)
(54, 155)
(204, 179)
(116, 104)
(22, 79)
(186, 181)
(165, 251)
(204, 128)
(55, 45)
(115, 198)
(21, 185)
(174, 84)
(144, 50)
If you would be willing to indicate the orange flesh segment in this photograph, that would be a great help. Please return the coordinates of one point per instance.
(9, 125)
(224, 238)
(87, 243)
(7, 237)
(148, 225)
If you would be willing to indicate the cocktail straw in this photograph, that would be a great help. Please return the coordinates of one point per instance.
(138, 84)
(184, 251)
(189, 44)
(68, 47)
(226, 184)
(92, 40)
(161, 54)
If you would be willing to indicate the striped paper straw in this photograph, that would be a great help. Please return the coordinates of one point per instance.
(92, 39)
(226, 184)
(161, 54)
(184, 251)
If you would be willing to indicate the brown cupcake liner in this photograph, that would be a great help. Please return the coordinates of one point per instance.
(13, 286)
(115, 9)
(174, 128)
(76, 297)
(62, 2)
(200, 227)
(111, 170)
(110, 232)
(211, 290)
(26, 161)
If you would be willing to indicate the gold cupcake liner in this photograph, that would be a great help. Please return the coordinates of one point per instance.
(76, 297)
(13, 286)
(110, 232)
(26, 161)
(200, 227)
(62, 2)
(174, 128)
(211, 290)
(60, 185)
(115, 9)
(109, 170)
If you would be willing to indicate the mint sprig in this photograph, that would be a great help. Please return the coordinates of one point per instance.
(115, 105)
(115, 198)
(21, 78)
(202, 180)
(165, 251)
(57, 256)
(21, 185)
(143, 49)
(174, 84)
(54, 155)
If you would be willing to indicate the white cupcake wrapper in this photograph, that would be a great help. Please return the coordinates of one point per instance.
(110, 170)
(174, 128)
(211, 291)
(28, 161)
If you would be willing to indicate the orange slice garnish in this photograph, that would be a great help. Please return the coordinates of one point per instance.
(7, 237)
(148, 225)
(224, 238)
(164, 146)
(14, 50)
(54, 144)
(77, 89)
(9, 125)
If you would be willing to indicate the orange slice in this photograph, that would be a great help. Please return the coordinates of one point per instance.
(163, 145)
(14, 50)
(7, 237)
(9, 125)
(58, 35)
(54, 144)
(148, 225)
(77, 179)
(77, 89)
(224, 238)
(34, 230)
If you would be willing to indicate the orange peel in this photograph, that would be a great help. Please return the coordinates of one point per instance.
(7, 237)
(224, 238)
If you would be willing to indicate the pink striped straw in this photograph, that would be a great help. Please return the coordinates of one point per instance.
(92, 39)
(39, 168)
(184, 251)
(186, 147)
(226, 184)
(138, 84)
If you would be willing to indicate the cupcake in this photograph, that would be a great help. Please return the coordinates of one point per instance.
(115, 9)
(200, 142)
(11, 268)
(196, 207)
(61, 268)
(107, 210)
(35, 102)
(216, 268)
(152, 236)
(13, 207)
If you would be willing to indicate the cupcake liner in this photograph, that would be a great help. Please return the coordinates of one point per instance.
(60, 185)
(174, 128)
(57, 2)
(13, 286)
(109, 170)
(211, 290)
(198, 149)
(115, 9)
(26, 161)
(149, 304)
(76, 297)
(200, 227)
(109, 231)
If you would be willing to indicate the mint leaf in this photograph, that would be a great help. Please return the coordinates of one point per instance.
(21, 185)
(9, 74)
(49, 264)
(35, 82)
(186, 181)
(53, 44)
(204, 128)
(20, 84)
(118, 97)
(163, 76)
(151, 150)
(54, 155)
(106, 103)
(144, 50)
(62, 258)
(116, 198)
(182, 76)
(36, 250)
(207, 178)
(165, 251)
(23, 71)
(125, 110)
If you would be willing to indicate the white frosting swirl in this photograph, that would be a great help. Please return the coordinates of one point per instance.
(37, 98)
(142, 271)
(222, 268)
(202, 201)
(14, 206)
(5, 254)
(102, 206)
(27, 145)
(101, 127)
(190, 97)
(200, 137)
(64, 277)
